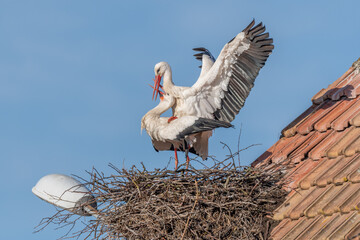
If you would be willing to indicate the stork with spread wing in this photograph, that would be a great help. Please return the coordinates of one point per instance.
(223, 85)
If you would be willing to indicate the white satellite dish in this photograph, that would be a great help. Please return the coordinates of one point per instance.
(66, 192)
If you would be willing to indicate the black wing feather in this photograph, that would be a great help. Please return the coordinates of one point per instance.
(244, 71)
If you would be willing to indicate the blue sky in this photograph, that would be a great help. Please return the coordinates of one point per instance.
(74, 82)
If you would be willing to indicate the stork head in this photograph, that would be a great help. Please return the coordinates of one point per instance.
(159, 69)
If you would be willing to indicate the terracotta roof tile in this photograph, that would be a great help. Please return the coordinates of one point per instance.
(344, 174)
(292, 144)
(320, 150)
(312, 140)
(299, 210)
(312, 228)
(298, 229)
(283, 228)
(350, 222)
(355, 121)
(320, 154)
(337, 226)
(325, 123)
(324, 94)
(291, 129)
(294, 177)
(343, 120)
(308, 124)
(333, 205)
(354, 176)
(316, 207)
(284, 210)
(310, 179)
(335, 166)
(352, 202)
(330, 225)
(354, 233)
(340, 146)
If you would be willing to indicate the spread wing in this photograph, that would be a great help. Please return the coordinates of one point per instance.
(221, 92)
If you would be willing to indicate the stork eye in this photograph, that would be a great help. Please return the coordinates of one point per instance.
(158, 70)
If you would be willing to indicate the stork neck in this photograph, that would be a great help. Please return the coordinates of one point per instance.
(162, 107)
(168, 83)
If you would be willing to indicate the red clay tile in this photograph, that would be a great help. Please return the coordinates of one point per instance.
(308, 124)
(284, 210)
(353, 148)
(350, 222)
(344, 88)
(325, 122)
(277, 147)
(344, 173)
(290, 130)
(319, 150)
(354, 232)
(293, 143)
(325, 193)
(352, 202)
(333, 206)
(322, 94)
(356, 84)
(299, 210)
(341, 86)
(354, 176)
(318, 97)
(284, 229)
(334, 168)
(283, 225)
(315, 208)
(343, 120)
(347, 91)
(356, 120)
(312, 228)
(330, 224)
(263, 159)
(294, 177)
(310, 179)
(312, 140)
(299, 228)
(345, 141)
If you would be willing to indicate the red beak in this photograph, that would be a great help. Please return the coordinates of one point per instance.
(156, 86)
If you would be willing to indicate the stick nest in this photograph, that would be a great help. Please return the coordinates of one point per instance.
(220, 202)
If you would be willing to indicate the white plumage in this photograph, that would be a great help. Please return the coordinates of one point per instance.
(184, 132)
(218, 94)
(223, 86)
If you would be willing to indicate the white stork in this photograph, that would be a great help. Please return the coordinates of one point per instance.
(186, 133)
(223, 85)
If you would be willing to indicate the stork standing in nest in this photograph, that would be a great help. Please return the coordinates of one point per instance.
(222, 87)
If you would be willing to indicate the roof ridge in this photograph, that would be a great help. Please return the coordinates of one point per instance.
(356, 65)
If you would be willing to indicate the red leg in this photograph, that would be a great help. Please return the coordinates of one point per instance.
(171, 119)
(187, 157)
(187, 162)
(176, 159)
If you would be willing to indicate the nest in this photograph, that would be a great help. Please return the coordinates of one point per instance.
(218, 202)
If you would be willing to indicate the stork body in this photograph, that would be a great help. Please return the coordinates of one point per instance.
(186, 133)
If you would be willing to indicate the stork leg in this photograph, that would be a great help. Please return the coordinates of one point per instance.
(176, 159)
(187, 157)
(187, 162)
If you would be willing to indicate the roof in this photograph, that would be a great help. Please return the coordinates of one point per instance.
(320, 152)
